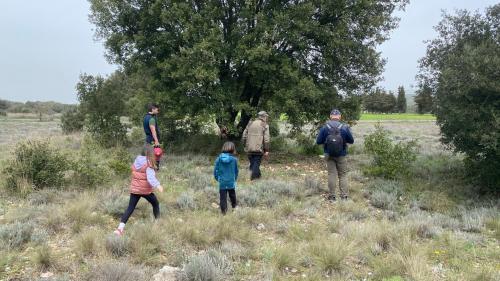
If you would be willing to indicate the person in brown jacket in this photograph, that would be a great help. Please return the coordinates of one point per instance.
(256, 139)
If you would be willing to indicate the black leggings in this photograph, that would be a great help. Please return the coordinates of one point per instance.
(223, 199)
(134, 198)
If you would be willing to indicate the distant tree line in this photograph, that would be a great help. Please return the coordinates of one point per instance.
(35, 107)
(381, 101)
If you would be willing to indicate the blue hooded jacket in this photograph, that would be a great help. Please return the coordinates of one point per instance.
(226, 171)
(344, 132)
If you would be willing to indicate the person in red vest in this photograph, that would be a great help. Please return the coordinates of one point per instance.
(143, 183)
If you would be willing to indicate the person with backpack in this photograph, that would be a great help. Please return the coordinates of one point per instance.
(256, 139)
(334, 136)
(226, 173)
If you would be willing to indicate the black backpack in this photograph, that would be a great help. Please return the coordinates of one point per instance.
(334, 142)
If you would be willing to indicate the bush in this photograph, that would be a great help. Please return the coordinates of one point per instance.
(115, 204)
(307, 145)
(390, 160)
(116, 271)
(117, 246)
(383, 200)
(38, 163)
(90, 168)
(119, 161)
(15, 235)
(72, 121)
(185, 201)
(208, 266)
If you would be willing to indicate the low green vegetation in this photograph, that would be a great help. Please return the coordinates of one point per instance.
(396, 116)
(419, 225)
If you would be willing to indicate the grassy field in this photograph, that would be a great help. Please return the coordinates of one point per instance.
(428, 226)
(396, 116)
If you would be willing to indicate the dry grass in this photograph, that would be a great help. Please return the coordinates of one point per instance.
(283, 229)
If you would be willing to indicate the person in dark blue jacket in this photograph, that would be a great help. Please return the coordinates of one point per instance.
(150, 125)
(336, 164)
(226, 173)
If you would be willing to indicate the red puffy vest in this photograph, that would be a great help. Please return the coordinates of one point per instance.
(139, 184)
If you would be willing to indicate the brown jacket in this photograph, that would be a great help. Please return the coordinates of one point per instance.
(256, 137)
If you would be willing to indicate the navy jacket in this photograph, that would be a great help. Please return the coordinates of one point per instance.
(147, 130)
(345, 132)
(226, 171)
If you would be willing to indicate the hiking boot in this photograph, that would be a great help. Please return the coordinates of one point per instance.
(118, 232)
(331, 198)
(344, 197)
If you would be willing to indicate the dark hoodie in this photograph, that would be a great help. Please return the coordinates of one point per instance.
(226, 171)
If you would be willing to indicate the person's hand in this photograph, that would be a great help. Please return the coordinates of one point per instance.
(160, 188)
(266, 154)
(156, 144)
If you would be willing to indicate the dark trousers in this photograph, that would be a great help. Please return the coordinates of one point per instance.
(255, 160)
(134, 198)
(223, 199)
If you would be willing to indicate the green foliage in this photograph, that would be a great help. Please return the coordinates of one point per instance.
(230, 59)
(390, 160)
(401, 100)
(461, 70)
(90, 166)
(307, 145)
(120, 160)
(424, 100)
(72, 120)
(380, 101)
(102, 102)
(38, 163)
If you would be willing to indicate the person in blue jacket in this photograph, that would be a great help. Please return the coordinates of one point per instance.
(336, 162)
(226, 173)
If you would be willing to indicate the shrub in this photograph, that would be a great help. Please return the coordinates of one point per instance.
(312, 184)
(15, 235)
(42, 197)
(90, 169)
(307, 145)
(390, 160)
(185, 201)
(198, 180)
(120, 160)
(210, 265)
(383, 200)
(115, 204)
(39, 236)
(72, 120)
(116, 271)
(117, 246)
(38, 163)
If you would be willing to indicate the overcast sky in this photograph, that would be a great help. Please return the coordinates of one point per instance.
(46, 45)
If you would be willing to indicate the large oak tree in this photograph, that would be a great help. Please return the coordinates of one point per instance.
(227, 59)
